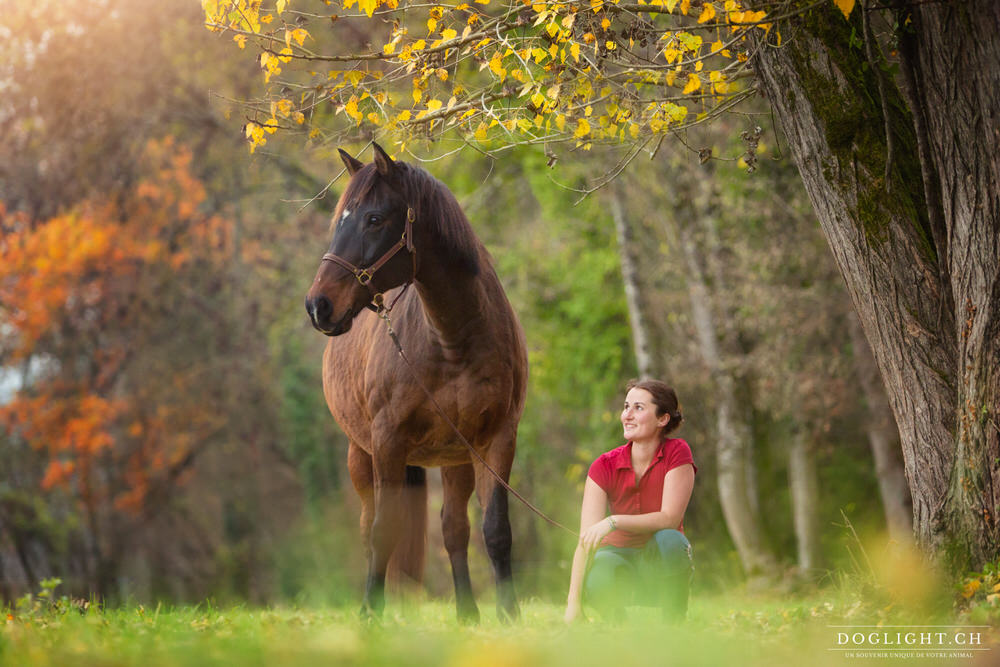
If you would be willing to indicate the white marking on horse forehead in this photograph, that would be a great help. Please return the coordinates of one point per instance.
(343, 216)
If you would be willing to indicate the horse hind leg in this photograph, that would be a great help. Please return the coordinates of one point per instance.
(496, 525)
(458, 483)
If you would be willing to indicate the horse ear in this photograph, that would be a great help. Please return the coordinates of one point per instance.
(350, 162)
(383, 162)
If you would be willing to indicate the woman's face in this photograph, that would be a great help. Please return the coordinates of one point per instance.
(639, 419)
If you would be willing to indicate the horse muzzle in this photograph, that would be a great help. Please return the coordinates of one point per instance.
(320, 311)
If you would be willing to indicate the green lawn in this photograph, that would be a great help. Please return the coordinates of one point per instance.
(737, 629)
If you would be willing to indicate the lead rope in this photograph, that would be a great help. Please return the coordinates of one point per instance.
(384, 314)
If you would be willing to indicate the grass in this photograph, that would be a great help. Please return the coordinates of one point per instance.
(732, 629)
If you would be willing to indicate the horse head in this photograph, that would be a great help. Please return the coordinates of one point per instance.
(372, 247)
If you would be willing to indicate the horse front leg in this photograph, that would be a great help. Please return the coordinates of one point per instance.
(389, 496)
(359, 467)
(496, 524)
(458, 483)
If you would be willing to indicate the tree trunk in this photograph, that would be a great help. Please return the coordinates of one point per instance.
(916, 237)
(804, 483)
(630, 275)
(883, 437)
(733, 438)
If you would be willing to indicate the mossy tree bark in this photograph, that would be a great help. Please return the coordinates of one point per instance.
(915, 231)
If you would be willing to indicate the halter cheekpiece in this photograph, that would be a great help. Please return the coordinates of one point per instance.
(366, 275)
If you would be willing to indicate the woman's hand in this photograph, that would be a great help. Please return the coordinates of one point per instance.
(591, 538)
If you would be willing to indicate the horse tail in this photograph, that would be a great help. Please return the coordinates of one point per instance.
(408, 557)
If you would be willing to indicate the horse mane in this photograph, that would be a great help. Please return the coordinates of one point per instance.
(433, 204)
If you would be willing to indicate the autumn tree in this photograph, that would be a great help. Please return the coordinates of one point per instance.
(890, 110)
(150, 435)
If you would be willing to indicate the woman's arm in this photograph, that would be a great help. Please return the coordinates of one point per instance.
(677, 487)
(595, 502)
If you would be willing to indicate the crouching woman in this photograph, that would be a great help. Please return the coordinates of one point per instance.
(640, 554)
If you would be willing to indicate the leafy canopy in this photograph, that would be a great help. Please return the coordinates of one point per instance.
(493, 72)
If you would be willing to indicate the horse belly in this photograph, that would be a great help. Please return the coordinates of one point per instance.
(438, 456)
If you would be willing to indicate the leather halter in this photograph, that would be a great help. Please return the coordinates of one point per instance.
(366, 275)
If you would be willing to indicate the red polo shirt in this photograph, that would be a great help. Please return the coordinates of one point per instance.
(613, 472)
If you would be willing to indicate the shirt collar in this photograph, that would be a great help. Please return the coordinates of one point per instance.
(624, 457)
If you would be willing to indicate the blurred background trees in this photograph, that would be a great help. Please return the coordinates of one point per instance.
(162, 428)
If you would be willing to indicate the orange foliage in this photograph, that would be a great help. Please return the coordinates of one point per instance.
(73, 287)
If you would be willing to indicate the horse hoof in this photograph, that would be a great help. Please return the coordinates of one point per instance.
(369, 616)
(509, 614)
(468, 615)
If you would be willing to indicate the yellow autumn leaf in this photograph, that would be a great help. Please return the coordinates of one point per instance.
(693, 84)
(560, 122)
(241, 40)
(448, 33)
(574, 50)
(434, 105)
(707, 14)
(368, 6)
(675, 112)
(299, 35)
(582, 128)
(481, 132)
(299, 117)
(496, 66)
(845, 6)
(280, 6)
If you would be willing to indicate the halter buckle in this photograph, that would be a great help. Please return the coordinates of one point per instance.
(364, 276)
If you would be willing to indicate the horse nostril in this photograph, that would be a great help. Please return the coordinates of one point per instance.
(321, 309)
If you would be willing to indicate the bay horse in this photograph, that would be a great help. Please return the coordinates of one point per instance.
(396, 224)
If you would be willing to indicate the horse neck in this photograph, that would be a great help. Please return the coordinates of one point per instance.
(453, 303)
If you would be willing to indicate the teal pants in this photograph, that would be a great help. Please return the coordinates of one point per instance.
(659, 574)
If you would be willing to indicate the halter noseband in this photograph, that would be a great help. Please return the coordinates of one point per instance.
(367, 274)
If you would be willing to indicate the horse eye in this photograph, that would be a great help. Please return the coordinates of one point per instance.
(373, 220)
